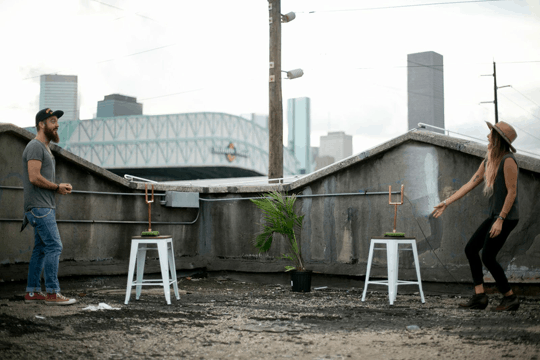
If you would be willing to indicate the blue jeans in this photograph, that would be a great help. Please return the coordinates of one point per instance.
(47, 250)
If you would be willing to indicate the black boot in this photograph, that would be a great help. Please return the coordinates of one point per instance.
(508, 303)
(478, 301)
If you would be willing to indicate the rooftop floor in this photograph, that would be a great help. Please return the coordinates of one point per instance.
(246, 316)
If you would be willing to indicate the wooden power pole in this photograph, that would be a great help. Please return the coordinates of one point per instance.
(495, 89)
(275, 112)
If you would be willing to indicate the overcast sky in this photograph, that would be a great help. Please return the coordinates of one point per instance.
(213, 56)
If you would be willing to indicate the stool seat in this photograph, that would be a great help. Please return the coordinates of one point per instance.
(163, 245)
(392, 257)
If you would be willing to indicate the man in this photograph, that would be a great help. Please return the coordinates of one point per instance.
(39, 210)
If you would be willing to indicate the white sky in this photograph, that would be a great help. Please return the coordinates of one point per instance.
(215, 54)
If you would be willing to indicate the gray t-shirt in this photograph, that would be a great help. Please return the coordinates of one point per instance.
(36, 197)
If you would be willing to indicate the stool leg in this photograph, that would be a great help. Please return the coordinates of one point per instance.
(141, 259)
(417, 265)
(368, 270)
(397, 271)
(172, 266)
(164, 263)
(131, 270)
(391, 256)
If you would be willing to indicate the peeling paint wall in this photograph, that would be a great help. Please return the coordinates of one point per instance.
(334, 237)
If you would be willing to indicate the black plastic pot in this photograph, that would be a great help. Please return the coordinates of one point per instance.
(301, 281)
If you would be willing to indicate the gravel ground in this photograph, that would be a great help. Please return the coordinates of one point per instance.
(220, 317)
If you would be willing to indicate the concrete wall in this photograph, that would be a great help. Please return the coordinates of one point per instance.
(336, 230)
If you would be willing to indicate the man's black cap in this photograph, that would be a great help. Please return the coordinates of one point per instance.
(44, 114)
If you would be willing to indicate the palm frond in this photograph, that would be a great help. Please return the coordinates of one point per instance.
(279, 217)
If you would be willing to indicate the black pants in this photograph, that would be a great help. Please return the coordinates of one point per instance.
(490, 248)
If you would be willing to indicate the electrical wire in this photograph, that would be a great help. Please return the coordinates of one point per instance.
(137, 53)
(522, 108)
(514, 125)
(513, 88)
(117, 8)
(182, 92)
(398, 6)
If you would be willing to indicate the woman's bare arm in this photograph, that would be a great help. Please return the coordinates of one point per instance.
(476, 180)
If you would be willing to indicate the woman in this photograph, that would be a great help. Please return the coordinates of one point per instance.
(499, 172)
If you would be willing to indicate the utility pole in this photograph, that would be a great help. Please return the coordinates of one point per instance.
(275, 113)
(495, 90)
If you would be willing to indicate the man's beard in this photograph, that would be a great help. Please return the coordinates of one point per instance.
(51, 135)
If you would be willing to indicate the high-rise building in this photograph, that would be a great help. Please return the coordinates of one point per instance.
(425, 87)
(336, 145)
(298, 118)
(59, 92)
(118, 105)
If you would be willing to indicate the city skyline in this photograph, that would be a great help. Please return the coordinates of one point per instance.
(355, 65)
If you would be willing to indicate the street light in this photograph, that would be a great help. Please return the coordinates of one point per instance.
(293, 74)
(288, 17)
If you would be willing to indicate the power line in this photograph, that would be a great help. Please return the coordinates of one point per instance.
(399, 6)
(117, 8)
(518, 62)
(121, 57)
(514, 125)
(441, 66)
(527, 133)
(141, 52)
(520, 107)
(182, 92)
(524, 95)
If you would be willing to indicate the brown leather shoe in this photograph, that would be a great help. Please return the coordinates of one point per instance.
(508, 303)
(477, 302)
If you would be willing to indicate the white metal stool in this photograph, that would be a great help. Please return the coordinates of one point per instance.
(392, 256)
(164, 246)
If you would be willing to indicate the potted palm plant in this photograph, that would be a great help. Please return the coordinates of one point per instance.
(280, 218)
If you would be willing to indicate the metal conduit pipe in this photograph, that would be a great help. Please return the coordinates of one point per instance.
(306, 196)
(116, 221)
(87, 192)
(226, 199)
(181, 223)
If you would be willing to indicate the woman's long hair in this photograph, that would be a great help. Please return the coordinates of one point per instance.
(498, 148)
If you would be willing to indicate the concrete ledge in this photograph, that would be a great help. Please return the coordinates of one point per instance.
(27, 135)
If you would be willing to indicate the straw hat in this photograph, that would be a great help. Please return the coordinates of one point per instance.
(507, 132)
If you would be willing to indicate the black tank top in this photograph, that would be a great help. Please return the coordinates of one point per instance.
(496, 201)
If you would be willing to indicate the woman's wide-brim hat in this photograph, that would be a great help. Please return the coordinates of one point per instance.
(507, 132)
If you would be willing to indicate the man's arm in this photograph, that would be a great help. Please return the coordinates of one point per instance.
(35, 177)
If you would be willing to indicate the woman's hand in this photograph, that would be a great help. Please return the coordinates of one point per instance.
(496, 228)
(439, 209)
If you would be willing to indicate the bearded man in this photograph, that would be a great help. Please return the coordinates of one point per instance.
(39, 210)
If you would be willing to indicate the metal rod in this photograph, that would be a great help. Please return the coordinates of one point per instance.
(227, 199)
(302, 196)
(117, 221)
(395, 203)
(86, 192)
(149, 202)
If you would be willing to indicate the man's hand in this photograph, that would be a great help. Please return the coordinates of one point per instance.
(65, 189)
(439, 209)
(496, 228)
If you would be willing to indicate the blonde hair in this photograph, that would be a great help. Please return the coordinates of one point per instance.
(499, 148)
